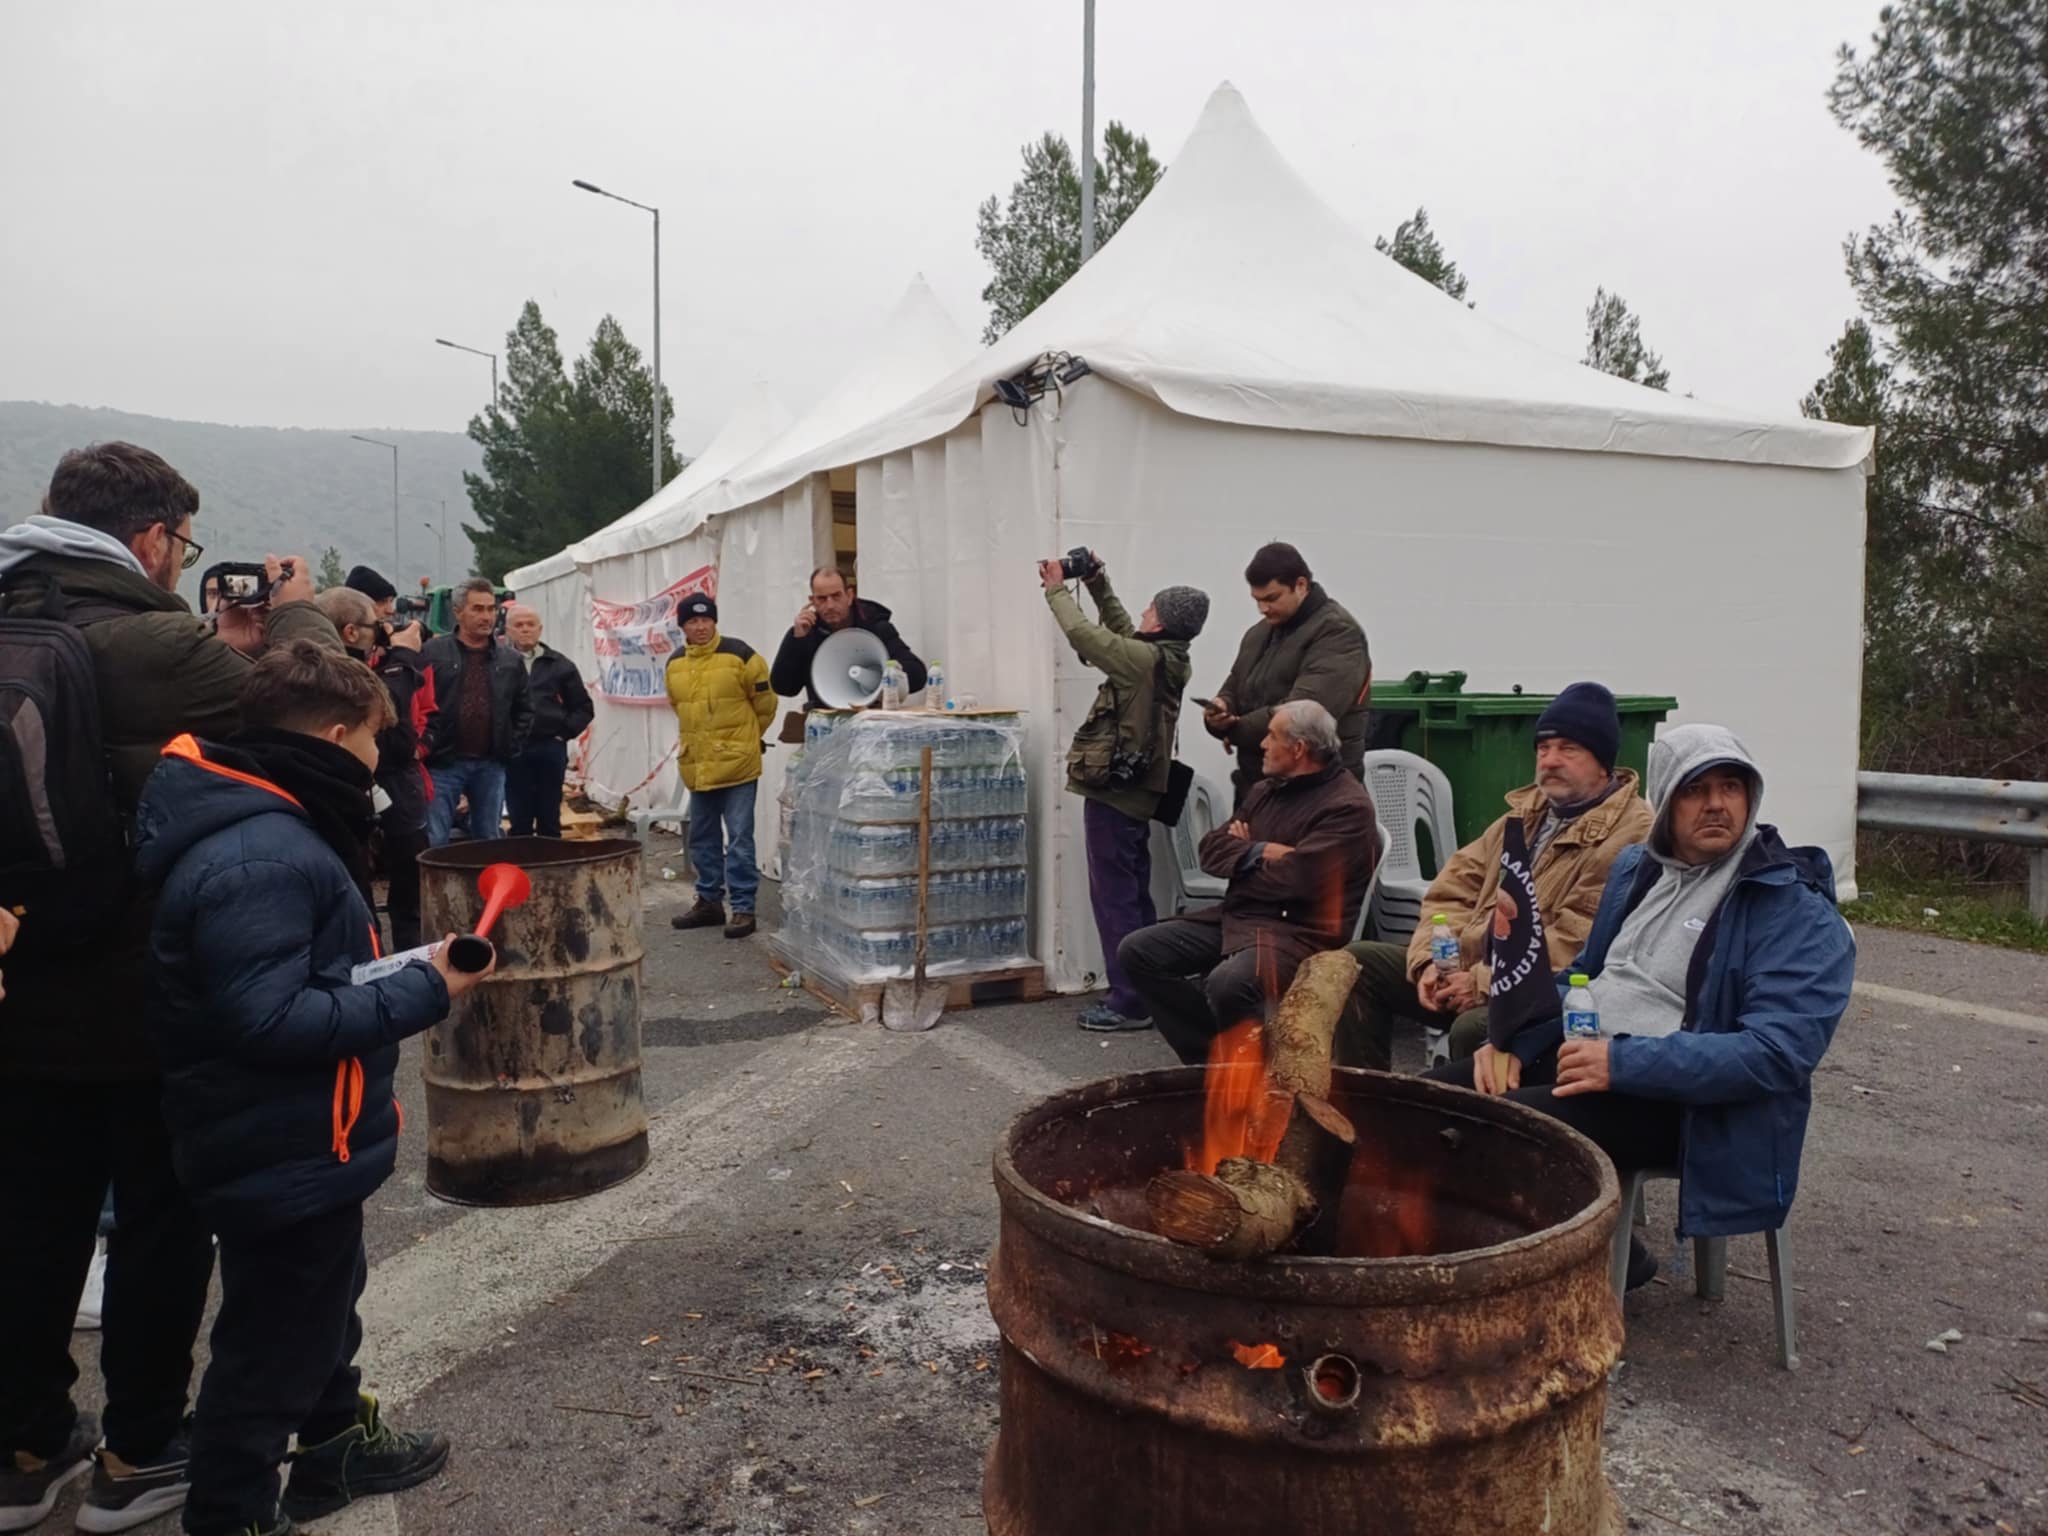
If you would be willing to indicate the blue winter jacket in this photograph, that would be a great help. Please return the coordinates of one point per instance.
(1768, 983)
(277, 1071)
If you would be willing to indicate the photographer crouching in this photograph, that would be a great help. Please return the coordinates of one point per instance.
(92, 626)
(1121, 759)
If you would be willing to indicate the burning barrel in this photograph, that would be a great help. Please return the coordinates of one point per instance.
(533, 1079)
(1445, 1372)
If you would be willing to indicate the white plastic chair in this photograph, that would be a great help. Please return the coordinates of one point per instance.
(1407, 791)
(647, 818)
(1198, 888)
(1710, 1263)
(1372, 886)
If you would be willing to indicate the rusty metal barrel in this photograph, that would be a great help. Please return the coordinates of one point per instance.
(1453, 1379)
(533, 1079)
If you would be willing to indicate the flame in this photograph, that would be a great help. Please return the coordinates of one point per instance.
(1258, 1357)
(1388, 1210)
(1234, 1122)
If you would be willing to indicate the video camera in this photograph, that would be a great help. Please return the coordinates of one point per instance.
(239, 584)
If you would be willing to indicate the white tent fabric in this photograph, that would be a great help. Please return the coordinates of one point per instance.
(1261, 372)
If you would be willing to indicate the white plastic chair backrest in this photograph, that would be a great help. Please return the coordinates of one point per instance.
(1372, 886)
(1197, 821)
(1406, 791)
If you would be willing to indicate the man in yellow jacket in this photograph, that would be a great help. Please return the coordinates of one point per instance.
(724, 705)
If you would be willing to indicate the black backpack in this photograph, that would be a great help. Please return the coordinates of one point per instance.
(64, 864)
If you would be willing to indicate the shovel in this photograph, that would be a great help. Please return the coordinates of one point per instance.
(914, 1005)
(501, 886)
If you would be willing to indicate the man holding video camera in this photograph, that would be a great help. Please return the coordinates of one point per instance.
(1121, 759)
(91, 626)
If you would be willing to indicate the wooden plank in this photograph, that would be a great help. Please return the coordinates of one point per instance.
(970, 989)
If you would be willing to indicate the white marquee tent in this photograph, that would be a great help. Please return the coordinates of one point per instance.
(1260, 372)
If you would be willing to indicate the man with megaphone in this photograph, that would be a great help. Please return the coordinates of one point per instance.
(832, 610)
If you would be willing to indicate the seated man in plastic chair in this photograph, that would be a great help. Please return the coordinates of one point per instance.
(1298, 859)
(1576, 819)
(1719, 968)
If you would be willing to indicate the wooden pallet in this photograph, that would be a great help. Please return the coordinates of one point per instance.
(967, 989)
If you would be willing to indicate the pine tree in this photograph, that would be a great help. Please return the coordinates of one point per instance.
(1034, 242)
(331, 573)
(1614, 343)
(563, 456)
(1416, 247)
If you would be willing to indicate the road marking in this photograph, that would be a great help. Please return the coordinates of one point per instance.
(429, 1307)
(1013, 1069)
(371, 1517)
(1954, 1007)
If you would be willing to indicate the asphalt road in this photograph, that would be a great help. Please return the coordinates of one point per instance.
(780, 1327)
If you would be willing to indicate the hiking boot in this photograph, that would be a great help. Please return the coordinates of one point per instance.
(1105, 1020)
(368, 1457)
(741, 926)
(31, 1485)
(705, 914)
(1642, 1264)
(124, 1495)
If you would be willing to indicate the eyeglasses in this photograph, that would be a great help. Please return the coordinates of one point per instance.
(193, 552)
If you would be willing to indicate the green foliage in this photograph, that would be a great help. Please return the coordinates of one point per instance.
(1950, 364)
(1614, 343)
(332, 572)
(1417, 248)
(1889, 897)
(1033, 244)
(564, 453)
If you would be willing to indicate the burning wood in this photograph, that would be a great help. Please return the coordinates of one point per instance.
(1237, 1206)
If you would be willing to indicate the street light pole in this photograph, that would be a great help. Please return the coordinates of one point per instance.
(438, 530)
(655, 431)
(1087, 130)
(476, 352)
(397, 558)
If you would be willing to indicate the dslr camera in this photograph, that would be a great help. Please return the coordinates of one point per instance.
(1079, 564)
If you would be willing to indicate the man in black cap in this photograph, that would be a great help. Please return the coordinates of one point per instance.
(1576, 819)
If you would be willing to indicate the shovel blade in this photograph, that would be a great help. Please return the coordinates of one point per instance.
(911, 1007)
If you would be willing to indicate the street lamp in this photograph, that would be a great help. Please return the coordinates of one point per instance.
(656, 436)
(438, 530)
(397, 559)
(476, 352)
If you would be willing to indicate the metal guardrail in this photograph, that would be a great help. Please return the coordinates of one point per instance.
(1980, 810)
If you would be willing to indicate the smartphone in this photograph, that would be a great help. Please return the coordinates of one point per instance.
(1207, 704)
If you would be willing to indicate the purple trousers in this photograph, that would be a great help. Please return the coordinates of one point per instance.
(1120, 890)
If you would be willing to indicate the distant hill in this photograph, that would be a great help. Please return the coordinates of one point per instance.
(268, 489)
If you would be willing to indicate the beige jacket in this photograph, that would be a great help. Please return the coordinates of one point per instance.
(1570, 876)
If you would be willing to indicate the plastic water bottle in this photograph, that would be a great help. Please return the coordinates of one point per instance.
(892, 686)
(935, 686)
(1443, 947)
(1581, 1013)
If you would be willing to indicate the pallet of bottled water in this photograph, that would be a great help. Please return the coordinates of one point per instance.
(850, 867)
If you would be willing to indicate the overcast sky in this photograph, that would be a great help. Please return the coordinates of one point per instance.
(265, 212)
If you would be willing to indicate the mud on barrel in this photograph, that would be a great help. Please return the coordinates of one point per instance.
(533, 1079)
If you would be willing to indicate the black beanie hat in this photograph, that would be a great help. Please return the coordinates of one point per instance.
(1585, 713)
(366, 581)
(696, 606)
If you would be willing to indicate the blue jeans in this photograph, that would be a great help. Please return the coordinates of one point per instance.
(722, 844)
(483, 779)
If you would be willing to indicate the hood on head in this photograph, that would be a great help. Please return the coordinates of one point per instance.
(40, 535)
(1683, 752)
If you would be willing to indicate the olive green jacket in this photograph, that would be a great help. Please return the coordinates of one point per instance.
(1137, 706)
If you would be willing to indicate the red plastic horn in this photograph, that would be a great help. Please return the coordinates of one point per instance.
(502, 886)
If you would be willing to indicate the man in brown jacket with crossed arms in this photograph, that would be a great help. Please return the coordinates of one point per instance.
(1576, 819)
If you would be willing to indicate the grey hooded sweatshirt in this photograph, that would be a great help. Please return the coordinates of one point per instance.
(1641, 990)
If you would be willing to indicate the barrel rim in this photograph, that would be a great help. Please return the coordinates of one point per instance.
(1464, 1275)
(467, 858)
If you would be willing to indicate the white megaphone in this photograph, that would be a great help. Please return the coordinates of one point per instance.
(848, 669)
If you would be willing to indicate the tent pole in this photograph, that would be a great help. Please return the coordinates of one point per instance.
(1087, 130)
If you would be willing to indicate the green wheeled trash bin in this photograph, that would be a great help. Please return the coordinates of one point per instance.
(1485, 743)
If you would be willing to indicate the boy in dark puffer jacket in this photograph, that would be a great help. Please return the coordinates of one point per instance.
(278, 1080)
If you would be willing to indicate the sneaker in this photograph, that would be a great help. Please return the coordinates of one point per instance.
(94, 1296)
(1105, 1020)
(368, 1457)
(31, 1485)
(741, 926)
(123, 1496)
(705, 914)
(1642, 1264)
